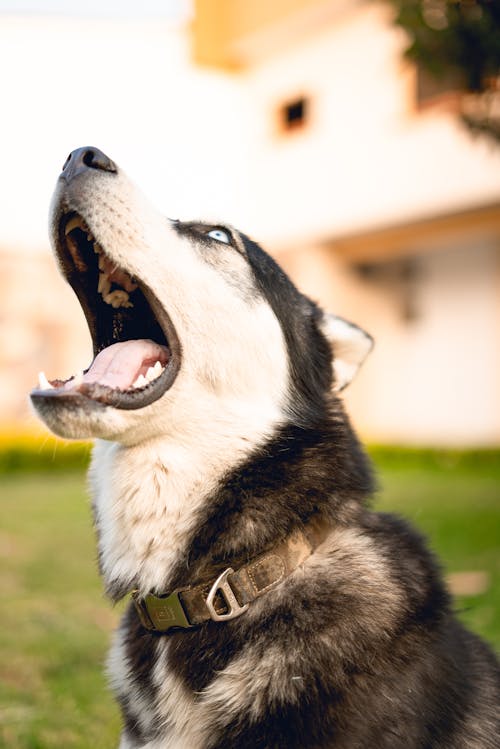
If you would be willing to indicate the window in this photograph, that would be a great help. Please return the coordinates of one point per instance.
(294, 114)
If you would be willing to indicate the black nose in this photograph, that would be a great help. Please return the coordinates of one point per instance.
(86, 158)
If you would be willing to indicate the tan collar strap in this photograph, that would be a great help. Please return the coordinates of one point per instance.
(229, 595)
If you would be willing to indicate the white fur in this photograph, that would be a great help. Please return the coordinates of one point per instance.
(232, 346)
(121, 682)
(147, 496)
(350, 346)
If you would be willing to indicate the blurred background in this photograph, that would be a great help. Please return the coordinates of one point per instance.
(304, 124)
(359, 142)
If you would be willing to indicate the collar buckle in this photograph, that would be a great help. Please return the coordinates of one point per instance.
(223, 586)
(161, 613)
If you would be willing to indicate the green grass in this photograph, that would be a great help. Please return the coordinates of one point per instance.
(56, 624)
(457, 506)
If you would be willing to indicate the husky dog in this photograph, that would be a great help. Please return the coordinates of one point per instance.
(270, 608)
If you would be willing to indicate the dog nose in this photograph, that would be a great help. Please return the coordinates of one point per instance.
(86, 158)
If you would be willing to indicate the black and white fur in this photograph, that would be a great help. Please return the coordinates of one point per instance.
(359, 647)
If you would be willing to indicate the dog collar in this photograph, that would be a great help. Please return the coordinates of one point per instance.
(230, 594)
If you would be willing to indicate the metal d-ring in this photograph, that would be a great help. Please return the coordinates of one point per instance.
(222, 584)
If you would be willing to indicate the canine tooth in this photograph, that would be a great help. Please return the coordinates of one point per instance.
(43, 382)
(102, 262)
(104, 284)
(151, 374)
(97, 247)
(140, 382)
(74, 223)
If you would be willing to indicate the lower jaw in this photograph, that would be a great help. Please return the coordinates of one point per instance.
(69, 415)
(74, 416)
(94, 395)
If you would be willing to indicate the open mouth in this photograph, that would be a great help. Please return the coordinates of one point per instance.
(136, 348)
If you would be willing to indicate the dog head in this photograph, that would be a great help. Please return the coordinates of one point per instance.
(185, 318)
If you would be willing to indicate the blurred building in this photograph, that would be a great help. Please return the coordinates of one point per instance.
(41, 325)
(378, 203)
(364, 186)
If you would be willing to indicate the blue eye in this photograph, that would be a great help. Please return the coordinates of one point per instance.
(220, 235)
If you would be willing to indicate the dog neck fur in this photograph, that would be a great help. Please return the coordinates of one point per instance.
(147, 497)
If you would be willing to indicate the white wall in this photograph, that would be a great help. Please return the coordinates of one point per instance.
(368, 158)
(128, 87)
(203, 143)
(448, 366)
(431, 380)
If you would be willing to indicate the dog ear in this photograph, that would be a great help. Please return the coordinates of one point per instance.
(350, 346)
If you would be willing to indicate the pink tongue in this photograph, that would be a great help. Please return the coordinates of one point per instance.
(119, 365)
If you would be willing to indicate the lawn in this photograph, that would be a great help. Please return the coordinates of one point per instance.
(56, 624)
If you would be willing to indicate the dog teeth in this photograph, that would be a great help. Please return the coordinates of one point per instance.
(152, 374)
(110, 273)
(118, 298)
(74, 223)
(104, 285)
(140, 382)
(43, 382)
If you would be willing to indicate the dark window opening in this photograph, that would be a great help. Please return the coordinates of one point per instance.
(294, 114)
(399, 280)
